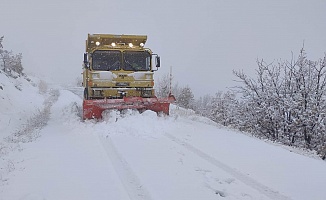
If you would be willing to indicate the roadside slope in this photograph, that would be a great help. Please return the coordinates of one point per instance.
(19, 99)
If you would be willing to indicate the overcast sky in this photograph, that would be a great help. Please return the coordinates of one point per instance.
(203, 40)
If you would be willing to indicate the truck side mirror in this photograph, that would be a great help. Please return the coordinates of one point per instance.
(85, 60)
(158, 61)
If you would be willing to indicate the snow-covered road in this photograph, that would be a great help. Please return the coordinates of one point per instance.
(142, 156)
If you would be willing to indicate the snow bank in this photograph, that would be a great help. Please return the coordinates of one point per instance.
(176, 112)
(23, 110)
(19, 100)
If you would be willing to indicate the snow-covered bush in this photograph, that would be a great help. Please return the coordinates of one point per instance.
(286, 102)
(10, 62)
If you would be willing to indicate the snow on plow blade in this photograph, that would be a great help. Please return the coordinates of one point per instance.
(93, 108)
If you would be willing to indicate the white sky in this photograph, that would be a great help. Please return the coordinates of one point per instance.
(203, 40)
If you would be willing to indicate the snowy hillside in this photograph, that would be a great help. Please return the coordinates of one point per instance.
(19, 99)
(138, 156)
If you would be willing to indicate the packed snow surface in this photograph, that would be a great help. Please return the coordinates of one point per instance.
(130, 155)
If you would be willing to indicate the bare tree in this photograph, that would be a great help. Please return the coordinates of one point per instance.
(186, 98)
(162, 88)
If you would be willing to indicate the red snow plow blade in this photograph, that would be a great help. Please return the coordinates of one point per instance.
(93, 108)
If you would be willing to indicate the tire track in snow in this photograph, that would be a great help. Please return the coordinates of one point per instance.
(130, 181)
(272, 194)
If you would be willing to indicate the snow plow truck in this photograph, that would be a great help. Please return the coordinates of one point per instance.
(118, 74)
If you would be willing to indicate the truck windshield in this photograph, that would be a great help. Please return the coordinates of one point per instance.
(106, 60)
(136, 61)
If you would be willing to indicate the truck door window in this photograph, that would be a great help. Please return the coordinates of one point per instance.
(106, 60)
(136, 61)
